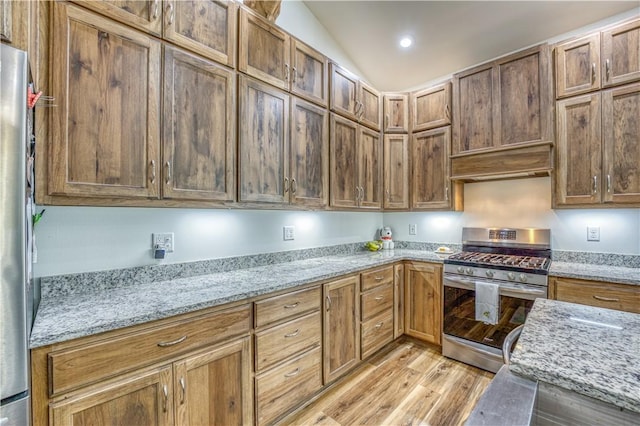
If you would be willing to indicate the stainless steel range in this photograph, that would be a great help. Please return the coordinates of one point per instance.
(489, 289)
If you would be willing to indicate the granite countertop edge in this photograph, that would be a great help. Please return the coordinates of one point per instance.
(592, 272)
(61, 319)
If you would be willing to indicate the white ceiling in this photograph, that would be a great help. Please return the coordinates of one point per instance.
(449, 35)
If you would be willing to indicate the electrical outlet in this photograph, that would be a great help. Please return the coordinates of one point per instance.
(162, 241)
(593, 233)
(413, 229)
(289, 233)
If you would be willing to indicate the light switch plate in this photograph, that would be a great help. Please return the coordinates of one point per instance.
(593, 233)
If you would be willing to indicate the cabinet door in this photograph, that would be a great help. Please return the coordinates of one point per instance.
(396, 171)
(578, 66)
(423, 310)
(309, 154)
(396, 113)
(430, 184)
(621, 297)
(215, 387)
(621, 54)
(264, 50)
(343, 177)
(341, 343)
(14, 24)
(523, 98)
(207, 27)
(370, 168)
(398, 300)
(621, 137)
(370, 113)
(473, 111)
(145, 15)
(578, 150)
(106, 130)
(199, 129)
(6, 21)
(431, 107)
(309, 73)
(263, 143)
(344, 90)
(141, 399)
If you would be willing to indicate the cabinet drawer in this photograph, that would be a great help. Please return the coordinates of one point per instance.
(376, 301)
(377, 277)
(376, 333)
(71, 368)
(285, 387)
(280, 342)
(286, 306)
(604, 295)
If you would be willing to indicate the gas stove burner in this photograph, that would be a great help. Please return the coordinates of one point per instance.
(493, 259)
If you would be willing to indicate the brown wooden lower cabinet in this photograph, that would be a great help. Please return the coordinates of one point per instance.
(596, 293)
(423, 301)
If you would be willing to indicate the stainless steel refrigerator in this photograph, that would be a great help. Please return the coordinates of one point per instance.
(16, 189)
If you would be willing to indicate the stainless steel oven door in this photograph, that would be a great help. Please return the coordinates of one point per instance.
(473, 341)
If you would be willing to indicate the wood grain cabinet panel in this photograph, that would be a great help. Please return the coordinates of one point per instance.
(106, 128)
(199, 131)
(370, 168)
(376, 277)
(423, 301)
(144, 15)
(431, 107)
(370, 113)
(473, 110)
(341, 327)
(376, 301)
(293, 304)
(398, 300)
(396, 171)
(376, 332)
(396, 112)
(621, 54)
(353, 98)
(309, 73)
(596, 293)
(6, 21)
(343, 177)
(578, 66)
(14, 27)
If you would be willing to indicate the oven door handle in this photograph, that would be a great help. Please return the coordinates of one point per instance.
(506, 289)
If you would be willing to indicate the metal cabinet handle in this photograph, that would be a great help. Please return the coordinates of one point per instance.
(328, 303)
(286, 185)
(361, 193)
(294, 185)
(607, 66)
(153, 171)
(446, 192)
(294, 334)
(293, 305)
(379, 298)
(293, 373)
(386, 121)
(388, 195)
(294, 75)
(606, 299)
(168, 165)
(595, 184)
(165, 398)
(608, 184)
(593, 73)
(378, 278)
(183, 386)
(173, 342)
(357, 193)
(154, 10)
(447, 112)
(378, 325)
(286, 72)
(171, 14)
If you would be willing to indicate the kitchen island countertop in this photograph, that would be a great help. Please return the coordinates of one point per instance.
(592, 351)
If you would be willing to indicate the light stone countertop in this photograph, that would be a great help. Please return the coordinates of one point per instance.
(83, 314)
(605, 273)
(592, 351)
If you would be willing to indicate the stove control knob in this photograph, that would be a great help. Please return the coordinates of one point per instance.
(511, 276)
(523, 278)
(489, 274)
(470, 271)
(460, 270)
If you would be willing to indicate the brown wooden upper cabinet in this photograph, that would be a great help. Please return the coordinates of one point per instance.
(270, 54)
(504, 103)
(396, 171)
(356, 165)
(431, 107)
(599, 60)
(14, 28)
(279, 165)
(353, 98)
(206, 27)
(105, 138)
(396, 113)
(598, 150)
(198, 157)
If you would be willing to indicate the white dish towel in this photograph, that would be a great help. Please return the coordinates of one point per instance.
(487, 302)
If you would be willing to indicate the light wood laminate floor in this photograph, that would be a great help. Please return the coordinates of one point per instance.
(408, 383)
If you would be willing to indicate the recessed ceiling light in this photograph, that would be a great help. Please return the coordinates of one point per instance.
(406, 42)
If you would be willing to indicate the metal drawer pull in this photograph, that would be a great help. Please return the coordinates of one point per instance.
(293, 373)
(379, 298)
(291, 306)
(165, 391)
(173, 342)
(606, 299)
(184, 390)
(294, 334)
(378, 325)
(379, 278)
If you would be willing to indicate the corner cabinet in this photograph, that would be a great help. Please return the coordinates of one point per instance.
(353, 98)
(106, 129)
(396, 171)
(423, 301)
(431, 107)
(396, 113)
(356, 165)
